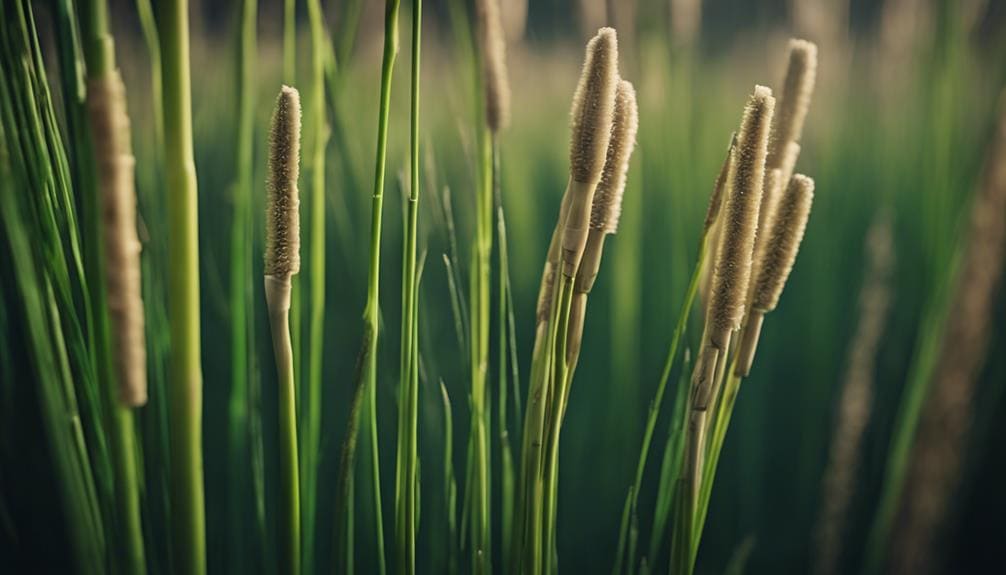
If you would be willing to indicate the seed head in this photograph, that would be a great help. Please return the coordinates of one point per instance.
(783, 244)
(607, 205)
(113, 152)
(593, 107)
(282, 233)
(494, 70)
(797, 89)
(740, 218)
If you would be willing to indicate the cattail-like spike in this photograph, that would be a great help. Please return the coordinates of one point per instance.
(607, 205)
(591, 120)
(494, 70)
(798, 87)
(739, 221)
(113, 153)
(605, 210)
(282, 234)
(776, 263)
(784, 243)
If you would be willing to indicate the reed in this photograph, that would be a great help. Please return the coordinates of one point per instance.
(775, 264)
(407, 461)
(701, 274)
(241, 291)
(116, 294)
(734, 253)
(365, 373)
(188, 517)
(725, 309)
(46, 341)
(591, 120)
(496, 104)
(606, 209)
(282, 261)
(781, 249)
(311, 413)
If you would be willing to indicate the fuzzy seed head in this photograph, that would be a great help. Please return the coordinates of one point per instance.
(593, 107)
(797, 89)
(783, 242)
(282, 231)
(113, 152)
(740, 217)
(607, 205)
(494, 70)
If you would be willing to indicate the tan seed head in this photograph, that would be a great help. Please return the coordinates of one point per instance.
(783, 244)
(740, 218)
(593, 107)
(282, 231)
(797, 89)
(607, 205)
(113, 152)
(494, 70)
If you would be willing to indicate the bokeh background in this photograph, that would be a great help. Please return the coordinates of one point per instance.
(904, 108)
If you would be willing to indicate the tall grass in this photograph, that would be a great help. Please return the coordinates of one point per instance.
(364, 403)
(575, 497)
(407, 461)
(186, 388)
(243, 365)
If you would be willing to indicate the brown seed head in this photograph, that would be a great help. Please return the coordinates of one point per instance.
(593, 107)
(494, 70)
(797, 89)
(607, 205)
(740, 218)
(282, 230)
(113, 152)
(783, 244)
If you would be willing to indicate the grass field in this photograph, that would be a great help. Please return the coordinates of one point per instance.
(898, 277)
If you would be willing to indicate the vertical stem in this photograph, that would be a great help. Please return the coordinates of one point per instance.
(480, 525)
(183, 297)
(277, 291)
(313, 396)
(241, 308)
(99, 53)
(406, 502)
(366, 373)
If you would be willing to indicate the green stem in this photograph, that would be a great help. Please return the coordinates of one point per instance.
(481, 522)
(183, 295)
(99, 53)
(407, 477)
(289, 480)
(312, 400)
(506, 452)
(654, 411)
(366, 372)
(241, 307)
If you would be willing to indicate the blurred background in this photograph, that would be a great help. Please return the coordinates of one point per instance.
(904, 110)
